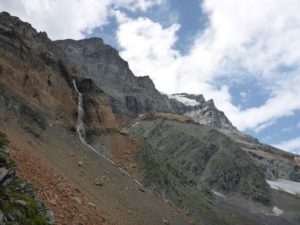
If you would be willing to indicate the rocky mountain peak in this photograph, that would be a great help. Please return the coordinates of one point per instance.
(200, 110)
(129, 95)
(146, 82)
(14, 27)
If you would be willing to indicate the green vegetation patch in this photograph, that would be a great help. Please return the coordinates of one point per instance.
(3, 140)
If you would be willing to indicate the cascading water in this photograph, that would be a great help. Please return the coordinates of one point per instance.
(80, 125)
(270, 175)
(82, 133)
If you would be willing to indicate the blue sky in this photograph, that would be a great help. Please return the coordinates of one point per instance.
(243, 54)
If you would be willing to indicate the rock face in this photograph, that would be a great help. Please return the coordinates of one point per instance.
(129, 95)
(36, 83)
(275, 163)
(37, 87)
(201, 111)
(19, 204)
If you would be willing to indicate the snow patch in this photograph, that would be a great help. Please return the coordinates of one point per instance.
(218, 194)
(135, 124)
(186, 101)
(277, 211)
(285, 185)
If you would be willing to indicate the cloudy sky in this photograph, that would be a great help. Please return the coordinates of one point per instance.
(243, 54)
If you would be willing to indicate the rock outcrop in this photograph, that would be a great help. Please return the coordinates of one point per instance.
(200, 110)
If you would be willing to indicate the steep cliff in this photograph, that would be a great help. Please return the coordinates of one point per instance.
(129, 95)
(36, 83)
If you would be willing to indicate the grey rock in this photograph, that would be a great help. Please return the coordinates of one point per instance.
(14, 215)
(3, 174)
(202, 111)
(50, 217)
(21, 202)
(1, 218)
(129, 95)
(4, 149)
(10, 176)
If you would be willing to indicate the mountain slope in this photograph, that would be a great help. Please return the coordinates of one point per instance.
(39, 113)
(19, 202)
(273, 162)
(206, 161)
(77, 105)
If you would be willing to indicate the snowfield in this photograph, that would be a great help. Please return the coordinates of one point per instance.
(184, 100)
(285, 185)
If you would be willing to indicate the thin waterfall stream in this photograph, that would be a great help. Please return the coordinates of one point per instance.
(80, 125)
(82, 133)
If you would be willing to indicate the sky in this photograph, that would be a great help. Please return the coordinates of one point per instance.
(243, 54)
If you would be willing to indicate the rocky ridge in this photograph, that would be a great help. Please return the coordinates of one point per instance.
(201, 111)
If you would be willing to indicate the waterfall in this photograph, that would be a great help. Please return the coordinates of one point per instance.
(82, 133)
(270, 175)
(80, 125)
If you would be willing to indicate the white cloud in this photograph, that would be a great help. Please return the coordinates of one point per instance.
(69, 18)
(243, 37)
(149, 49)
(292, 145)
(282, 103)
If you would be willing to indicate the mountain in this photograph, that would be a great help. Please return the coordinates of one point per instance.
(274, 162)
(125, 153)
(129, 95)
(201, 111)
